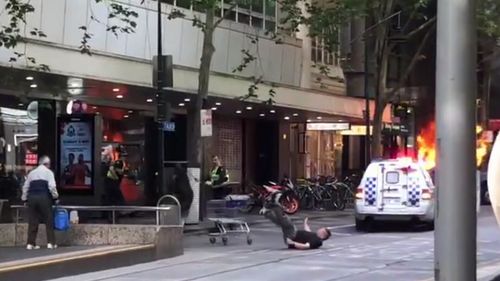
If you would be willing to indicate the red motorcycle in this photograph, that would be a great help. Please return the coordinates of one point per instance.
(260, 194)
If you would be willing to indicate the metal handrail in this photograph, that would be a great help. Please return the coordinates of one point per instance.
(112, 209)
(168, 196)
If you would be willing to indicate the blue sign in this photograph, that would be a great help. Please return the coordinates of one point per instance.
(169, 126)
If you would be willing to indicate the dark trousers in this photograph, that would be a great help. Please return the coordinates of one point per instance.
(40, 207)
(276, 215)
(113, 192)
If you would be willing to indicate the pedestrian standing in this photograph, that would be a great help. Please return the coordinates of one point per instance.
(39, 192)
(113, 181)
(182, 190)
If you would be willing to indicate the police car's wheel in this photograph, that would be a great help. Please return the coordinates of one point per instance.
(360, 225)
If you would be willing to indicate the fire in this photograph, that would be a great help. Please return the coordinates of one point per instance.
(427, 147)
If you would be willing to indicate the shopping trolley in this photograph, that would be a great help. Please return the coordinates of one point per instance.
(224, 214)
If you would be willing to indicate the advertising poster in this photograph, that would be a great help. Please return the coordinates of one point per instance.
(75, 153)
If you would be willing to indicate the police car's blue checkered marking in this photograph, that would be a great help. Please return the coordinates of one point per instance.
(370, 191)
(414, 192)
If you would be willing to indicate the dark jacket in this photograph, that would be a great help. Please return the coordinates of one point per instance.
(182, 190)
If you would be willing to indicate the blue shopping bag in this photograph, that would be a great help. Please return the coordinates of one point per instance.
(61, 219)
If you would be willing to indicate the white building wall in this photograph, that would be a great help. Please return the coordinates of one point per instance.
(60, 20)
(127, 58)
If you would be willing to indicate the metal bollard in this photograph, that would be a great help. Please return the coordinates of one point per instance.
(172, 216)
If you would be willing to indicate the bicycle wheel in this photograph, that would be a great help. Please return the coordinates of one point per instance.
(307, 200)
(344, 193)
(329, 199)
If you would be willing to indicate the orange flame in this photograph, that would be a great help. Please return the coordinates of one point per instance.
(427, 147)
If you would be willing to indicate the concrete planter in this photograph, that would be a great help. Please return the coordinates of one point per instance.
(98, 234)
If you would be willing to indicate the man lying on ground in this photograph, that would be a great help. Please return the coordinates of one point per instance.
(295, 239)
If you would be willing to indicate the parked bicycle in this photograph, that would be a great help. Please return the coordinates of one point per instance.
(326, 193)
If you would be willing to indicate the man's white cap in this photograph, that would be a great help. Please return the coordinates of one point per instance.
(44, 160)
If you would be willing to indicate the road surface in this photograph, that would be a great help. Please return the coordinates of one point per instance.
(396, 252)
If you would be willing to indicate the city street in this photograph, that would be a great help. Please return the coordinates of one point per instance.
(397, 252)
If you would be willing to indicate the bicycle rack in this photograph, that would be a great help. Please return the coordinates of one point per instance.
(159, 203)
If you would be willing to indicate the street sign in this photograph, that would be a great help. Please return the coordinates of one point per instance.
(206, 123)
(328, 126)
(168, 126)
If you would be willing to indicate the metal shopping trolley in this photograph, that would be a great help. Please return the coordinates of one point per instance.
(224, 215)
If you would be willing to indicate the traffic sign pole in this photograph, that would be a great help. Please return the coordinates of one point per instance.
(455, 236)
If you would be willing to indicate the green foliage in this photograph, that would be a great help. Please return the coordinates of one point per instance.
(488, 17)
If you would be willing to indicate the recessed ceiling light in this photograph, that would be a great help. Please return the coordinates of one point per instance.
(262, 115)
(130, 111)
(29, 78)
(214, 108)
(97, 113)
(33, 85)
(119, 96)
(125, 116)
(149, 100)
(94, 107)
(249, 108)
(340, 120)
(116, 90)
(187, 99)
(287, 118)
(319, 117)
(238, 111)
(308, 120)
(272, 111)
(182, 104)
(218, 104)
(295, 114)
(21, 104)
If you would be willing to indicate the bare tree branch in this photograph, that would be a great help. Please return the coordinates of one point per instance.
(410, 19)
(416, 57)
(423, 26)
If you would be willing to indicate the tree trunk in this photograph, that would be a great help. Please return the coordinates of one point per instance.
(195, 153)
(195, 141)
(376, 146)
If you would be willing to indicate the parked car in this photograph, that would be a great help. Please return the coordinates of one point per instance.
(396, 189)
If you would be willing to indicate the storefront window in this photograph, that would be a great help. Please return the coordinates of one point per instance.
(124, 141)
(18, 149)
(323, 153)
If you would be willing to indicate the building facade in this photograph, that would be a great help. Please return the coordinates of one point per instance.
(257, 142)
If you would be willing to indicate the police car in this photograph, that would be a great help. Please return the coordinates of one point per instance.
(396, 189)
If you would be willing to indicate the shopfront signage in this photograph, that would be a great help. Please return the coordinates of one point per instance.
(328, 126)
(206, 123)
(169, 126)
(31, 159)
(356, 130)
